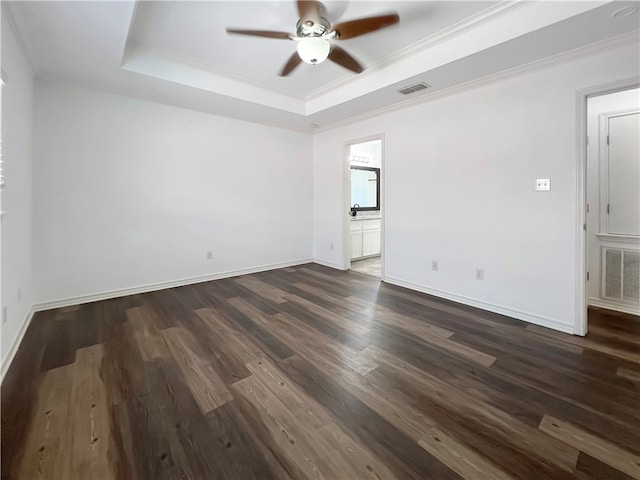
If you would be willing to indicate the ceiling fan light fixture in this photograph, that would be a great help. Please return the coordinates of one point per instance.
(313, 50)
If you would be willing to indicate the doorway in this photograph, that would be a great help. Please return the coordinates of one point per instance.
(364, 206)
(612, 204)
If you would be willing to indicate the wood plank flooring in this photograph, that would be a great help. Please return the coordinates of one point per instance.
(312, 373)
(368, 266)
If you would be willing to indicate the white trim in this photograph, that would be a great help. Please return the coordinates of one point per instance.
(302, 126)
(581, 191)
(15, 344)
(501, 8)
(66, 302)
(622, 113)
(346, 199)
(560, 58)
(383, 189)
(603, 172)
(345, 205)
(495, 11)
(615, 238)
(580, 326)
(601, 303)
(365, 257)
(491, 307)
(166, 100)
(133, 51)
(326, 263)
(6, 362)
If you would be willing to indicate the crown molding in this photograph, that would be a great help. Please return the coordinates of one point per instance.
(503, 7)
(301, 127)
(133, 49)
(564, 57)
(489, 14)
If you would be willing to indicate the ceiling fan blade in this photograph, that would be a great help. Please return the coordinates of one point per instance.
(260, 33)
(293, 62)
(309, 10)
(341, 57)
(355, 28)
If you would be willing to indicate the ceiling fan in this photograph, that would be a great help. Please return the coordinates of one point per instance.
(313, 33)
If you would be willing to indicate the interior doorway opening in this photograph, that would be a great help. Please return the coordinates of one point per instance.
(364, 201)
(612, 205)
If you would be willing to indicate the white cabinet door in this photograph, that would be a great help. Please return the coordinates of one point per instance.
(373, 224)
(356, 244)
(370, 242)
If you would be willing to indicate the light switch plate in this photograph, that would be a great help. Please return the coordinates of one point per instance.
(543, 184)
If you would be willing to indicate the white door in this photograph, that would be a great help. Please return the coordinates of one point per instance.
(624, 174)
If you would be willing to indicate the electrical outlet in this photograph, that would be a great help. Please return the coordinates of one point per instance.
(434, 265)
(209, 255)
(19, 295)
(479, 274)
(4, 315)
(331, 246)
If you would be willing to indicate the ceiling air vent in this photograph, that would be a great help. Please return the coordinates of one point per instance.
(413, 88)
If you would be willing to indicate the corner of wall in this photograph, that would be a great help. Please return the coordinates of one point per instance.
(15, 343)
(16, 227)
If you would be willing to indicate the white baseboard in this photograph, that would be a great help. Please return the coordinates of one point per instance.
(67, 302)
(337, 266)
(472, 302)
(601, 303)
(6, 361)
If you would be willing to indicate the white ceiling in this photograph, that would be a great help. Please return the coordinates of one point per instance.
(179, 52)
(196, 31)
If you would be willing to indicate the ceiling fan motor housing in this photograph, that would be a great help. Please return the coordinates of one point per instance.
(307, 28)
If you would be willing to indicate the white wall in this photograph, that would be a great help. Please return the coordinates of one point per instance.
(130, 193)
(372, 150)
(459, 189)
(615, 102)
(17, 130)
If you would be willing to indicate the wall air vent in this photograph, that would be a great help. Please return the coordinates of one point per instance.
(413, 88)
(621, 275)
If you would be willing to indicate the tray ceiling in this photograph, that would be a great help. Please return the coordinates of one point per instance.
(179, 52)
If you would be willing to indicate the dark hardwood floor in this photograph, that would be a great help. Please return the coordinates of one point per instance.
(309, 372)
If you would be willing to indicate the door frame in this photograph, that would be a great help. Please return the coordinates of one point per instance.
(346, 200)
(580, 326)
